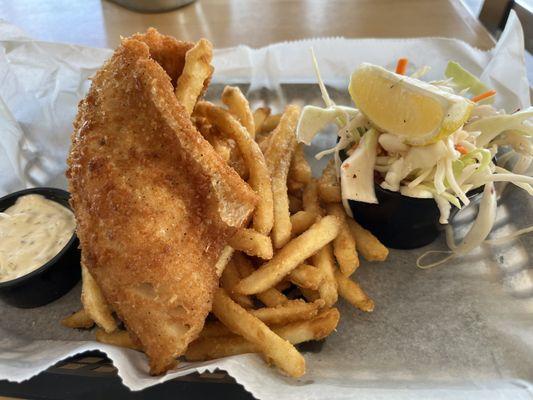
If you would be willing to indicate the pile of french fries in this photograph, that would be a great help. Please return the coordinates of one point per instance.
(280, 277)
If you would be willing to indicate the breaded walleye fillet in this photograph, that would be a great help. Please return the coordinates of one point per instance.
(153, 201)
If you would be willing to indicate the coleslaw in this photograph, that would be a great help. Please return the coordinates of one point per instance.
(446, 169)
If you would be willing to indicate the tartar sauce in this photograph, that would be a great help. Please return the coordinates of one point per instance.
(32, 232)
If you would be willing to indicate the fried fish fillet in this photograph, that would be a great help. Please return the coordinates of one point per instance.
(153, 201)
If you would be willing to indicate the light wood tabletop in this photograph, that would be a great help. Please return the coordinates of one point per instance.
(252, 22)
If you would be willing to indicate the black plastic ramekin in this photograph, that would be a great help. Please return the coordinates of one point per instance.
(55, 278)
(402, 222)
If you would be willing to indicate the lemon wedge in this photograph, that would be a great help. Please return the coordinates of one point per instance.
(416, 111)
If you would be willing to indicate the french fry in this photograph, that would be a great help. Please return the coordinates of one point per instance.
(283, 285)
(290, 256)
(215, 329)
(294, 186)
(196, 72)
(306, 276)
(211, 134)
(281, 230)
(78, 320)
(300, 171)
(252, 243)
(208, 348)
(213, 347)
(301, 221)
(344, 245)
(367, 244)
(223, 259)
(259, 175)
(238, 320)
(317, 328)
(293, 310)
(239, 107)
(94, 303)
(295, 204)
(230, 277)
(278, 158)
(310, 200)
(119, 338)
(323, 260)
(329, 188)
(270, 297)
(271, 122)
(260, 115)
(282, 138)
(310, 294)
(352, 292)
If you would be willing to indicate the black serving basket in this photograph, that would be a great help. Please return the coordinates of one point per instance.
(55, 278)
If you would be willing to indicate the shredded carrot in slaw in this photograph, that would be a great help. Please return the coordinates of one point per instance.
(461, 149)
(483, 96)
(401, 66)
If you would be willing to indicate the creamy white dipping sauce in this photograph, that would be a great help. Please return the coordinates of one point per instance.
(32, 232)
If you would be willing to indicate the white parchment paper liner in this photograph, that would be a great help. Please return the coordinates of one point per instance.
(40, 86)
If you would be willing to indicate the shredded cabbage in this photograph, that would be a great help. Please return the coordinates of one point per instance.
(446, 170)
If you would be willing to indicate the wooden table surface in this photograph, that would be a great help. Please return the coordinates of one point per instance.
(251, 22)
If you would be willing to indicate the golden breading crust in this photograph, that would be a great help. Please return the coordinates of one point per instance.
(153, 201)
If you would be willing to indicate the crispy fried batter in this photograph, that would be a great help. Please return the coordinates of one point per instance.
(154, 202)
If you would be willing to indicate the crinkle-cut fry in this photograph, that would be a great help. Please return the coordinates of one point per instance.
(290, 256)
(252, 243)
(260, 115)
(306, 276)
(239, 107)
(329, 188)
(78, 320)
(310, 200)
(196, 71)
(270, 297)
(295, 204)
(94, 302)
(230, 277)
(293, 310)
(301, 221)
(119, 338)
(271, 122)
(223, 259)
(208, 348)
(344, 245)
(259, 179)
(352, 292)
(324, 261)
(368, 245)
(300, 171)
(282, 353)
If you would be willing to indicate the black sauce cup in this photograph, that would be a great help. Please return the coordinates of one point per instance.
(402, 222)
(53, 279)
